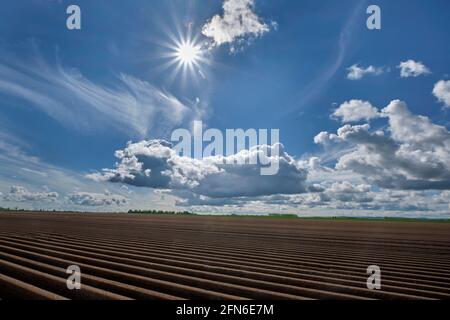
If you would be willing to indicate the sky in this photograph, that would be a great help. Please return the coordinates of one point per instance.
(86, 115)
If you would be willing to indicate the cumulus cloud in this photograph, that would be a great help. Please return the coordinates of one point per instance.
(355, 72)
(412, 154)
(339, 193)
(21, 194)
(324, 138)
(356, 110)
(155, 164)
(403, 168)
(442, 92)
(411, 68)
(326, 194)
(238, 22)
(362, 197)
(96, 199)
(331, 198)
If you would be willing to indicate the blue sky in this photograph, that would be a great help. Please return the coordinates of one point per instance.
(71, 98)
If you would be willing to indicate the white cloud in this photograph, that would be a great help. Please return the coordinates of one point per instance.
(412, 154)
(355, 72)
(324, 138)
(130, 105)
(356, 110)
(237, 22)
(18, 168)
(96, 199)
(207, 186)
(401, 170)
(338, 198)
(21, 194)
(155, 164)
(411, 68)
(442, 91)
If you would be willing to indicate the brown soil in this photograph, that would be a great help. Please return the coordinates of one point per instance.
(193, 257)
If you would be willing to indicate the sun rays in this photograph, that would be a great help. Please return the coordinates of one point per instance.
(186, 58)
(188, 54)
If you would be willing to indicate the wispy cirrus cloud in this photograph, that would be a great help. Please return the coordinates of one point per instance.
(315, 87)
(129, 105)
(22, 176)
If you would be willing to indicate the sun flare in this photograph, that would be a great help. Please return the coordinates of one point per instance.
(187, 58)
(188, 53)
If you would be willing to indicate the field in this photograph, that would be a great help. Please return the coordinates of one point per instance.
(194, 257)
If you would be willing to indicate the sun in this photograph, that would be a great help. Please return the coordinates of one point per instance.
(188, 53)
(186, 57)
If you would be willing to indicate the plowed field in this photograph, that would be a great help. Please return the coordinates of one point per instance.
(193, 257)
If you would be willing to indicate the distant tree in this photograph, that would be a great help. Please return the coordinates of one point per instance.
(160, 212)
